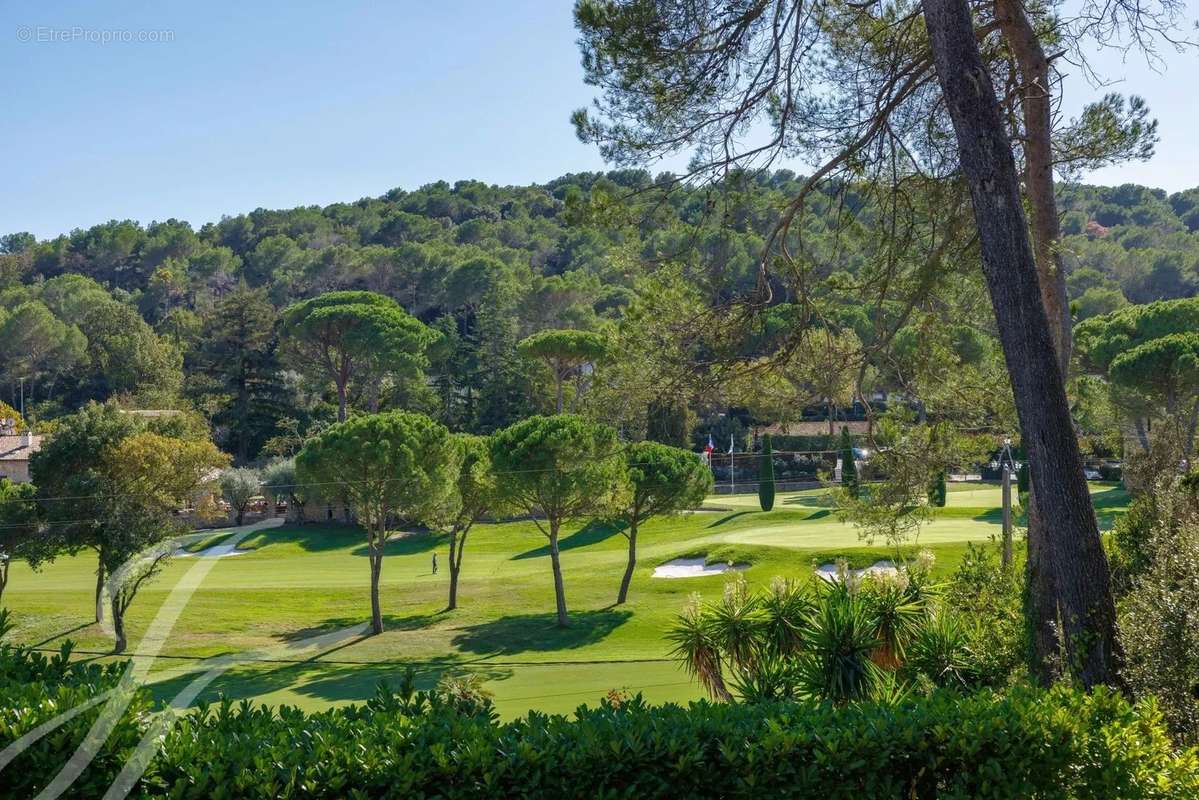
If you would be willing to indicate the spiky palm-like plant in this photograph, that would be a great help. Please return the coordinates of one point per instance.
(737, 622)
(696, 648)
(838, 641)
(785, 608)
(941, 649)
(897, 613)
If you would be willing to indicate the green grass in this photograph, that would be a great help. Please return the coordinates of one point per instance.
(296, 582)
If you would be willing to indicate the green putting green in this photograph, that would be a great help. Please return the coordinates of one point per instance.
(293, 583)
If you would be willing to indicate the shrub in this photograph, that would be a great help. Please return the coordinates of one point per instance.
(35, 688)
(1028, 744)
(1128, 544)
(1059, 744)
(988, 599)
(1157, 617)
(766, 476)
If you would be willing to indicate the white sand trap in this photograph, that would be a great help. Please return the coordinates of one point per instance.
(692, 568)
(829, 571)
(216, 551)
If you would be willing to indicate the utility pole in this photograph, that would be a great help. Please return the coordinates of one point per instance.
(1007, 502)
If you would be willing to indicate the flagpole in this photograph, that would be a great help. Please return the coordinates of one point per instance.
(732, 468)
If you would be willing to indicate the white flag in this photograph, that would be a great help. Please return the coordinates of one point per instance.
(730, 444)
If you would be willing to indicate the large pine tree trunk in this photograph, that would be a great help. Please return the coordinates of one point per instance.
(1036, 103)
(1077, 561)
(556, 563)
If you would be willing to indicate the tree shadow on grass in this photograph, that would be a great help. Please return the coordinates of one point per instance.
(340, 683)
(403, 543)
(593, 532)
(314, 537)
(810, 501)
(319, 537)
(729, 518)
(391, 622)
(61, 634)
(538, 633)
(331, 682)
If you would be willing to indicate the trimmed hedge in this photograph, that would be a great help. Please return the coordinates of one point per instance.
(1027, 744)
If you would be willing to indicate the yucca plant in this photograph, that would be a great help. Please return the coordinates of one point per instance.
(785, 608)
(941, 649)
(897, 613)
(738, 623)
(772, 679)
(889, 689)
(838, 641)
(696, 647)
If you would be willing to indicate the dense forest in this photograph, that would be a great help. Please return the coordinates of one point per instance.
(166, 315)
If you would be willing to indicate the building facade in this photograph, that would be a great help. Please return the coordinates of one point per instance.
(15, 451)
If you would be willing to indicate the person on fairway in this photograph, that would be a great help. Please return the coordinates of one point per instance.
(434, 562)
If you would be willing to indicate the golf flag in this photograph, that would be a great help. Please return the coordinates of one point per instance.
(710, 446)
(730, 444)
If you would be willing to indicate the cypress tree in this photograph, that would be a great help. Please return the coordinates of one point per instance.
(937, 490)
(766, 475)
(849, 468)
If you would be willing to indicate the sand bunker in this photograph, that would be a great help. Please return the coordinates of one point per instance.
(216, 551)
(829, 571)
(693, 568)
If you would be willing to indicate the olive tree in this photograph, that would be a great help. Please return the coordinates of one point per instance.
(395, 464)
(664, 480)
(557, 469)
(238, 487)
(279, 478)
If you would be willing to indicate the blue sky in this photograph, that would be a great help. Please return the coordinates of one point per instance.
(278, 104)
